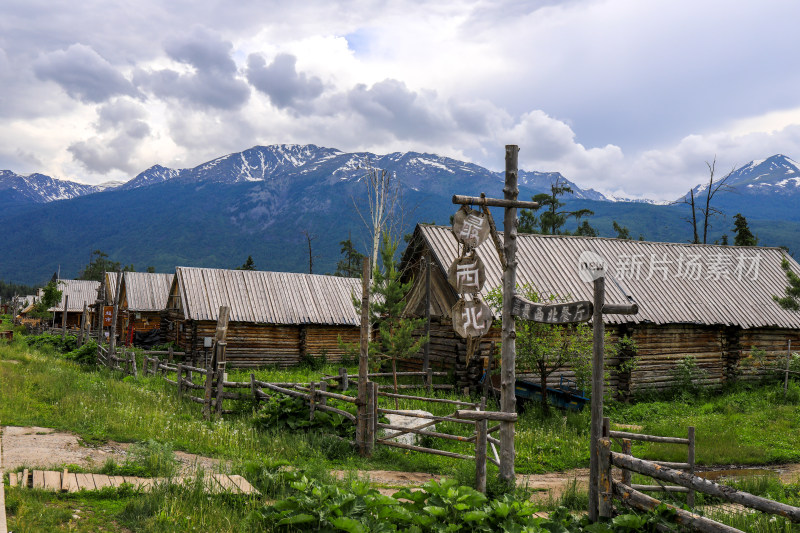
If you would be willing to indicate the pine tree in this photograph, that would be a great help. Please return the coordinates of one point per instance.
(791, 298)
(622, 232)
(248, 265)
(551, 220)
(743, 235)
(350, 265)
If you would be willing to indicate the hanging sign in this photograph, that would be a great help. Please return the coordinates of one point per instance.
(108, 313)
(563, 313)
(470, 227)
(471, 318)
(467, 274)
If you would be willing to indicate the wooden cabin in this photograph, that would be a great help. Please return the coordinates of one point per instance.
(79, 292)
(276, 318)
(713, 303)
(143, 296)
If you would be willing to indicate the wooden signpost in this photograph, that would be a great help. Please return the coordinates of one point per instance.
(471, 318)
(560, 313)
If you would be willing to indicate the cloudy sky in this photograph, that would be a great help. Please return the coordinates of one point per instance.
(627, 96)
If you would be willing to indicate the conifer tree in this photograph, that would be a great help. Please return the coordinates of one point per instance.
(742, 234)
(791, 298)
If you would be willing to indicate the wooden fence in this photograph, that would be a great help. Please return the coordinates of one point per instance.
(625, 440)
(632, 496)
(211, 389)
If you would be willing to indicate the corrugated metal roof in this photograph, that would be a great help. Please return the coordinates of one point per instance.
(79, 291)
(671, 282)
(146, 291)
(268, 297)
(110, 287)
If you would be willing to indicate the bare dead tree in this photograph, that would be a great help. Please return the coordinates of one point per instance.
(383, 198)
(711, 191)
(708, 211)
(310, 237)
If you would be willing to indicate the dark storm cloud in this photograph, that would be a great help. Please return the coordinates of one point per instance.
(390, 105)
(83, 74)
(213, 82)
(281, 81)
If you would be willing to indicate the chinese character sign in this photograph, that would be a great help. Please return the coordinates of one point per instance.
(563, 313)
(470, 227)
(471, 318)
(467, 274)
(108, 313)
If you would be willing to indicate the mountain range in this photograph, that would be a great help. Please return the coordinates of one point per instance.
(273, 202)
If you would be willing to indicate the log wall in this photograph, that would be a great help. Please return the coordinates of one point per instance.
(257, 345)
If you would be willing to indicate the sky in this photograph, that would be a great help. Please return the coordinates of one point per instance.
(628, 97)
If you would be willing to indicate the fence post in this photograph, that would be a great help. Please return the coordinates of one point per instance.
(626, 474)
(429, 379)
(786, 375)
(220, 381)
(690, 460)
(133, 365)
(312, 399)
(253, 387)
(606, 427)
(145, 364)
(64, 318)
(343, 380)
(604, 456)
(207, 388)
(170, 353)
(180, 380)
(323, 386)
(482, 432)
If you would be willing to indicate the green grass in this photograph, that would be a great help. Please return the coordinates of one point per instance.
(751, 424)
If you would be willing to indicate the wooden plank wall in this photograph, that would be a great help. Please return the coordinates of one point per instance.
(256, 345)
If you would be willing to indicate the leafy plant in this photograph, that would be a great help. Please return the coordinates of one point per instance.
(53, 343)
(85, 355)
(284, 412)
(687, 375)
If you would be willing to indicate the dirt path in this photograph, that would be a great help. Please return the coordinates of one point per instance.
(45, 448)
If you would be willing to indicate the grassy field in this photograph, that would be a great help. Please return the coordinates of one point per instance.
(748, 425)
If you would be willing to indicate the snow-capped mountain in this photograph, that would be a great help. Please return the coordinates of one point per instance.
(777, 175)
(38, 188)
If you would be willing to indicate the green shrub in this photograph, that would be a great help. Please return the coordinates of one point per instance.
(53, 343)
(85, 355)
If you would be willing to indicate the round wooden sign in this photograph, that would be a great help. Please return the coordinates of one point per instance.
(471, 318)
(467, 274)
(470, 227)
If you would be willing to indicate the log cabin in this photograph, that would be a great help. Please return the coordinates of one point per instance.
(276, 318)
(712, 304)
(80, 292)
(142, 298)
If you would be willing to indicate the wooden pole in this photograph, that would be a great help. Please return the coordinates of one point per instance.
(786, 375)
(508, 401)
(362, 431)
(220, 386)
(344, 382)
(323, 387)
(626, 449)
(394, 376)
(112, 337)
(604, 454)
(426, 357)
(690, 460)
(180, 380)
(598, 331)
(481, 429)
(64, 317)
(684, 479)
(83, 325)
(312, 399)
